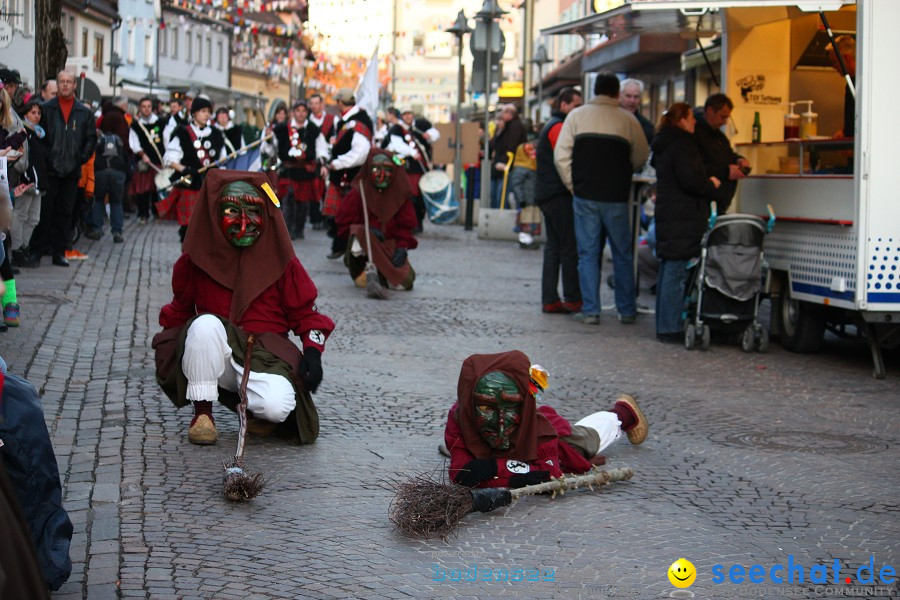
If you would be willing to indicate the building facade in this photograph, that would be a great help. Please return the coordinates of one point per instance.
(195, 52)
(90, 28)
(137, 46)
(17, 41)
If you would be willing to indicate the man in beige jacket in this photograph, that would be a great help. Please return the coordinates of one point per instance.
(599, 148)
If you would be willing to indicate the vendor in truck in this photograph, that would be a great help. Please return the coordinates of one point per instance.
(846, 45)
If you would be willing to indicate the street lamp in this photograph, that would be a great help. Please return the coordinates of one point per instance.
(459, 29)
(114, 63)
(151, 79)
(540, 59)
(490, 11)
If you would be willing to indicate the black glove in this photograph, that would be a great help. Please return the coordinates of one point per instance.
(377, 233)
(487, 499)
(399, 258)
(310, 369)
(476, 471)
(532, 478)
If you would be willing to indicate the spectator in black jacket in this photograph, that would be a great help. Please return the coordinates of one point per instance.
(719, 158)
(71, 139)
(507, 139)
(630, 98)
(684, 191)
(555, 201)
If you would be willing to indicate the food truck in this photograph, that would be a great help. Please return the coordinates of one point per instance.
(834, 254)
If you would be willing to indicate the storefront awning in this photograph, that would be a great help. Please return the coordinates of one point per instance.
(567, 73)
(633, 53)
(699, 18)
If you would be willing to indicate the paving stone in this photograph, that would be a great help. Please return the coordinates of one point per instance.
(750, 458)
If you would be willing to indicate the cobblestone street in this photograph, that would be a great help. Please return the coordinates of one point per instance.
(751, 458)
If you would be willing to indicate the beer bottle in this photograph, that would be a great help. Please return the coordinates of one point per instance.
(757, 128)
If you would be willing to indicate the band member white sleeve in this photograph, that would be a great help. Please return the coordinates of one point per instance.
(433, 135)
(174, 153)
(356, 156)
(398, 146)
(133, 142)
(167, 132)
(322, 149)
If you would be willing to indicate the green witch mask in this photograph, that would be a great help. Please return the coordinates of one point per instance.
(498, 409)
(242, 214)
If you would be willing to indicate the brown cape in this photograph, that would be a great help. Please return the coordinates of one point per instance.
(246, 271)
(534, 428)
(384, 204)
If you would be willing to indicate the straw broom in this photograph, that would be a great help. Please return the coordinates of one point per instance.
(433, 507)
(239, 485)
(373, 285)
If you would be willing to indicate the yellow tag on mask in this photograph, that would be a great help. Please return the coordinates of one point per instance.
(271, 194)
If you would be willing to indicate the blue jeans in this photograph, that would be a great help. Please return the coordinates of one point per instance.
(670, 287)
(112, 182)
(497, 194)
(591, 218)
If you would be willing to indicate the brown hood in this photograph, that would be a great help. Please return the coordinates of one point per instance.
(534, 429)
(246, 271)
(383, 204)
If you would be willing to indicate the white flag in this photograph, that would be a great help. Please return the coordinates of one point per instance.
(367, 90)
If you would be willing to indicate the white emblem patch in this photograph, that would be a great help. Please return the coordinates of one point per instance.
(515, 466)
(317, 337)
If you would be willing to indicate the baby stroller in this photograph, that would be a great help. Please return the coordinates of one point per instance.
(723, 290)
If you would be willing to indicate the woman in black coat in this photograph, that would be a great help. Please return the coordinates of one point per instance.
(682, 209)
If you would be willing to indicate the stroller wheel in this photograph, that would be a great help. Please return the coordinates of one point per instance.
(690, 336)
(705, 338)
(762, 344)
(748, 339)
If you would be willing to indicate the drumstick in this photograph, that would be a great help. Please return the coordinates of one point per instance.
(222, 160)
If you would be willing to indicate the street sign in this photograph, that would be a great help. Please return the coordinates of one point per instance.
(6, 33)
(479, 38)
(485, 32)
(478, 77)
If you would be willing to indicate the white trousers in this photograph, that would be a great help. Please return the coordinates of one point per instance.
(606, 424)
(209, 364)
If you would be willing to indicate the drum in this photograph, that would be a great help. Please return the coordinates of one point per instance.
(440, 201)
(162, 178)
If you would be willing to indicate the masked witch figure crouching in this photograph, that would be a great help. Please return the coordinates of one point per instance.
(238, 275)
(383, 187)
(497, 436)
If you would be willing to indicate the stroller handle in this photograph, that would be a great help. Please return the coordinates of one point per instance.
(713, 214)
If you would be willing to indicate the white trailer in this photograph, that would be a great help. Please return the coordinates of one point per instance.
(834, 255)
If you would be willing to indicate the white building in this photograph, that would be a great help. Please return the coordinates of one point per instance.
(90, 27)
(195, 52)
(136, 46)
(17, 38)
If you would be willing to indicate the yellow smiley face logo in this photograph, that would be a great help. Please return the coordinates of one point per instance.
(682, 573)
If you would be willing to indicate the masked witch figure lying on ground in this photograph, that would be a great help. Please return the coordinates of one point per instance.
(497, 436)
(503, 447)
(380, 236)
(238, 276)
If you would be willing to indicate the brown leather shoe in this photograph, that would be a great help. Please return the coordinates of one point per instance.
(638, 433)
(260, 427)
(202, 431)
